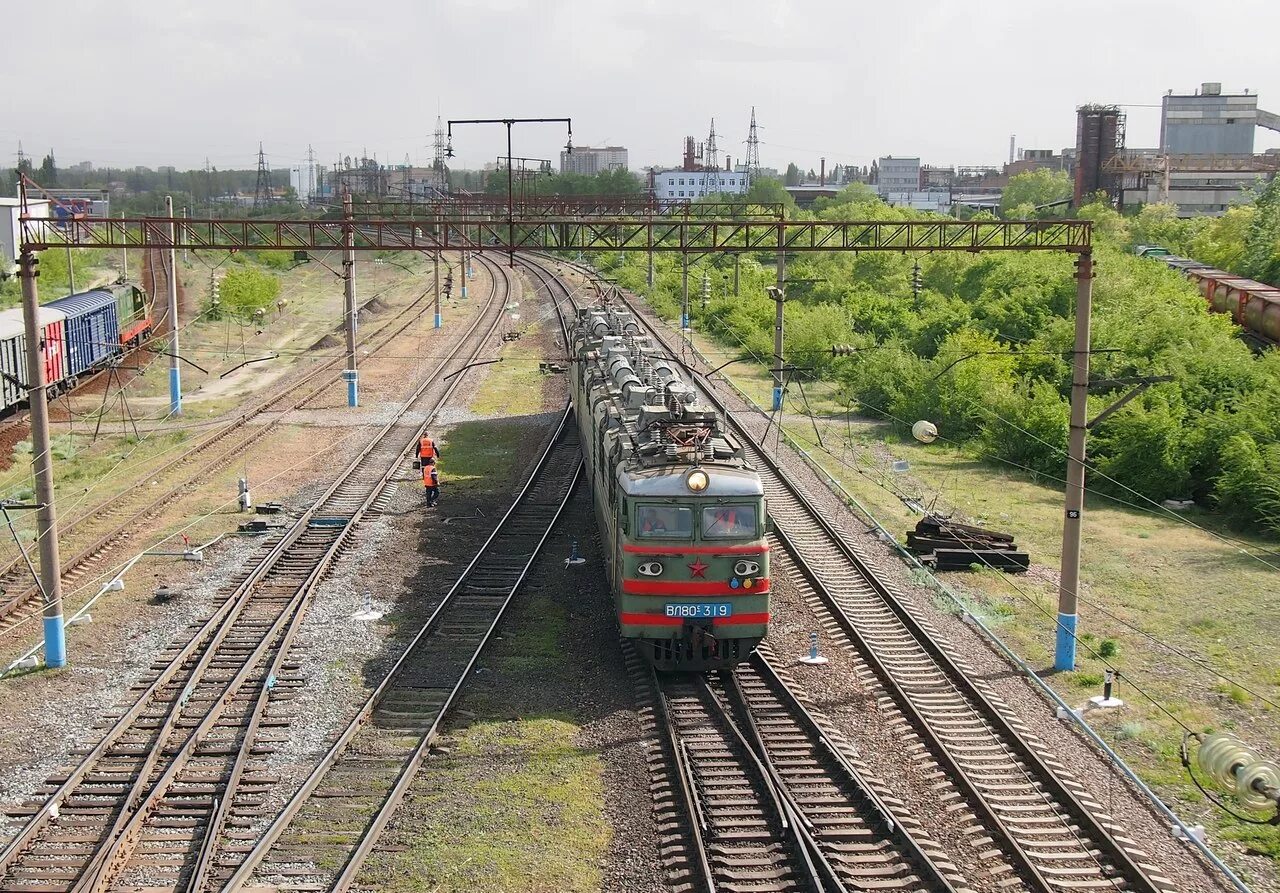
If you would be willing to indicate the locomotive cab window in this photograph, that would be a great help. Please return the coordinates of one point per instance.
(664, 522)
(729, 522)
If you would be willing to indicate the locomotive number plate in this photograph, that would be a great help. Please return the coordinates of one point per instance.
(701, 610)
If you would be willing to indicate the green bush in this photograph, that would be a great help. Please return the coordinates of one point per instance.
(984, 350)
(246, 289)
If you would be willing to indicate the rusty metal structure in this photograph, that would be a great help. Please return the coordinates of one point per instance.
(560, 233)
(1100, 135)
(626, 205)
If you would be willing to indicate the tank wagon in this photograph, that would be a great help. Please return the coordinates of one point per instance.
(681, 513)
(1253, 305)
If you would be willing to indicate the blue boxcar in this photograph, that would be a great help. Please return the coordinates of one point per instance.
(92, 329)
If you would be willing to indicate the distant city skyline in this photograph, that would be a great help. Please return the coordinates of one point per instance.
(842, 81)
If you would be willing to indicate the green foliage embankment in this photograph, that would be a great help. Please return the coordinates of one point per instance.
(984, 351)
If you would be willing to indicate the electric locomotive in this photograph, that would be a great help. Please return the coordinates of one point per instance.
(681, 513)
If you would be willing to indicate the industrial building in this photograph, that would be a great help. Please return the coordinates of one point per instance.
(1100, 135)
(592, 160)
(1209, 122)
(678, 184)
(898, 175)
(1205, 161)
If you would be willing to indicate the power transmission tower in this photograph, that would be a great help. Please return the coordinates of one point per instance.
(440, 174)
(262, 188)
(311, 174)
(753, 149)
(711, 157)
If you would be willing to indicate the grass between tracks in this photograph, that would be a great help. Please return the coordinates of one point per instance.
(1180, 585)
(512, 802)
(515, 803)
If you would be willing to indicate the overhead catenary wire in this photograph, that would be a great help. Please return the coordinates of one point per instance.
(1192, 659)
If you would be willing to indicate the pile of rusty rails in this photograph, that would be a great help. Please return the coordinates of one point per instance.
(150, 802)
(1047, 832)
(949, 545)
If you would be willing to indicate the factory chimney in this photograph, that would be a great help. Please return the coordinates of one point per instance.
(822, 172)
(1013, 142)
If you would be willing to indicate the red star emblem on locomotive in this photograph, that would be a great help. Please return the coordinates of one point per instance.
(698, 569)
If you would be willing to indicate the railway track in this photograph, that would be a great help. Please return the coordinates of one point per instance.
(773, 801)
(326, 831)
(1045, 831)
(146, 804)
(104, 526)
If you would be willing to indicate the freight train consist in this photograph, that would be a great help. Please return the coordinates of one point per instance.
(1253, 305)
(681, 514)
(82, 333)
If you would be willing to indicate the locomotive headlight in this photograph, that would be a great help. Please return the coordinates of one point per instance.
(746, 568)
(697, 480)
(651, 568)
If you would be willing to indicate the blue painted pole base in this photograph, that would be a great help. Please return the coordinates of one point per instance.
(777, 398)
(1064, 653)
(464, 291)
(684, 320)
(175, 391)
(55, 643)
(352, 377)
(439, 320)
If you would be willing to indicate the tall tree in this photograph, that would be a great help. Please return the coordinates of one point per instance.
(1033, 188)
(792, 175)
(49, 171)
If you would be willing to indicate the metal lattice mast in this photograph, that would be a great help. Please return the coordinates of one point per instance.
(712, 159)
(440, 176)
(262, 188)
(753, 149)
(311, 174)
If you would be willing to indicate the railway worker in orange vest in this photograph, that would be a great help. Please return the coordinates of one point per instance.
(431, 481)
(427, 448)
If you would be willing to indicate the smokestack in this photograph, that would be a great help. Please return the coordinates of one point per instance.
(1013, 142)
(822, 172)
(728, 163)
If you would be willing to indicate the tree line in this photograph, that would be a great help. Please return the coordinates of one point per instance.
(984, 348)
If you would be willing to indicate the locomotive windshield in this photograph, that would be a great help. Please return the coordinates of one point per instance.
(664, 521)
(728, 521)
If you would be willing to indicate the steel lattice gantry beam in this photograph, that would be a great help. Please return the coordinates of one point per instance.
(563, 234)
(541, 206)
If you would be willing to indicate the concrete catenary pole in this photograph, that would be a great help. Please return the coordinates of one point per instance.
(466, 271)
(684, 287)
(351, 374)
(777, 320)
(171, 281)
(649, 253)
(1068, 587)
(55, 644)
(435, 282)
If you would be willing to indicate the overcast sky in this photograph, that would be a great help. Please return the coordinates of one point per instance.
(153, 82)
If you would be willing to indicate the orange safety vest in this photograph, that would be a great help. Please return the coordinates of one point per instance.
(430, 476)
(427, 449)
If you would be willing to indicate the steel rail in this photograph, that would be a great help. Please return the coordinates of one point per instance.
(977, 699)
(892, 829)
(394, 796)
(215, 628)
(1002, 731)
(694, 812)
(86, 555)
(401, 785)
(128, 826)
(218, 818)
(797, 868)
